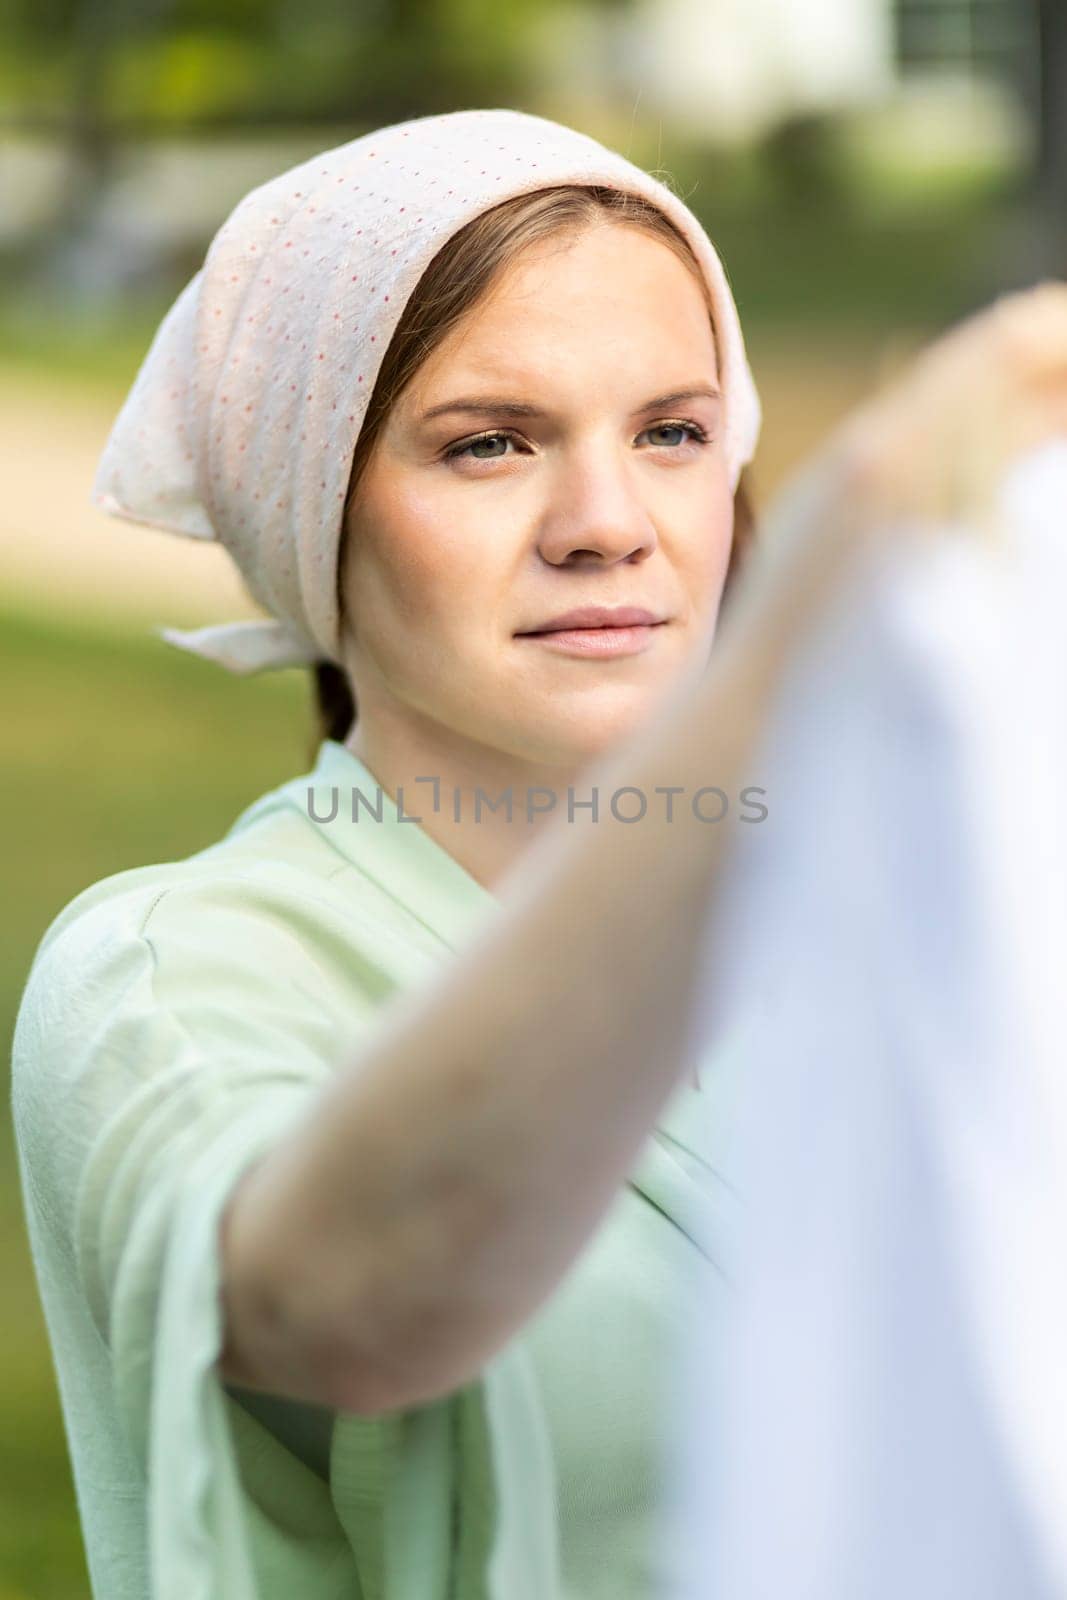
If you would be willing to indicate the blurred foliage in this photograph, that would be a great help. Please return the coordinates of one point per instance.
(806, 156)
(183, 63)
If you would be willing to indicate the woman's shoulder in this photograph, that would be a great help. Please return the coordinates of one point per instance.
(234, 960)
(270, 918)
(268, 857)
(280, 937)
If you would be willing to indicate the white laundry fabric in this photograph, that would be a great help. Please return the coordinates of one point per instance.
(888, 1415)
(242, 422)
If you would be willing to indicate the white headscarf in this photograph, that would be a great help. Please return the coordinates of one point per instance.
(242, 422)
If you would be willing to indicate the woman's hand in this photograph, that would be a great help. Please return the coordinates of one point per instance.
(927, 452)
(936, 442)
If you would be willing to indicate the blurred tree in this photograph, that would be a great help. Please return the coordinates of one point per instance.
(311, 60)
(96, 73)
(1053, 143)
(804, 157)
(96, 29)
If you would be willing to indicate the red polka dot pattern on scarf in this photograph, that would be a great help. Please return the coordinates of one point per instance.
(259, 459)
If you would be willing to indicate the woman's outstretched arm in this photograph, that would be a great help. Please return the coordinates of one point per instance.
(446, 1181)
(449, 1178)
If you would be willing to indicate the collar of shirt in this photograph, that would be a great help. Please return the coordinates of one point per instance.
(387, 843)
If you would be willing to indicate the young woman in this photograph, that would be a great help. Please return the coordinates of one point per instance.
(365, 1176)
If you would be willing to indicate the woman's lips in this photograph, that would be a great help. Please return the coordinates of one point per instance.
(597, 641)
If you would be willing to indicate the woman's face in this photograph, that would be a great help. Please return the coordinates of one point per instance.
(529, 469)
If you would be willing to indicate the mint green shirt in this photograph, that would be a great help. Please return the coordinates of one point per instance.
(178, 1021)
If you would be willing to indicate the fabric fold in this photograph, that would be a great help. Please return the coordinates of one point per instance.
(197, 1508)
(246, 647)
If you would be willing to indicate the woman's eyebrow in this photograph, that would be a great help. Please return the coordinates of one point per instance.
(486, 405)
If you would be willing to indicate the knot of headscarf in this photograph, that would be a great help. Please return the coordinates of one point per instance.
(242, 422)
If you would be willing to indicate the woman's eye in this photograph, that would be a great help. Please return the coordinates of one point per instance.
(695, 434)
(484, 438)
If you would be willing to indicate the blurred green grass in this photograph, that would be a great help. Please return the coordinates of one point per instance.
(118, 751)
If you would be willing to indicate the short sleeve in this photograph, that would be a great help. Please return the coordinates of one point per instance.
(164, 1044)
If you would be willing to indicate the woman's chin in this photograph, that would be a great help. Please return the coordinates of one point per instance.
(595, 735)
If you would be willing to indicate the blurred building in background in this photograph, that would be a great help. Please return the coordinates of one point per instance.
(980, 38)
(732, 69)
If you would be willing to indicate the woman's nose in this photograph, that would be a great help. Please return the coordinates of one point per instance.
(597, 517)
